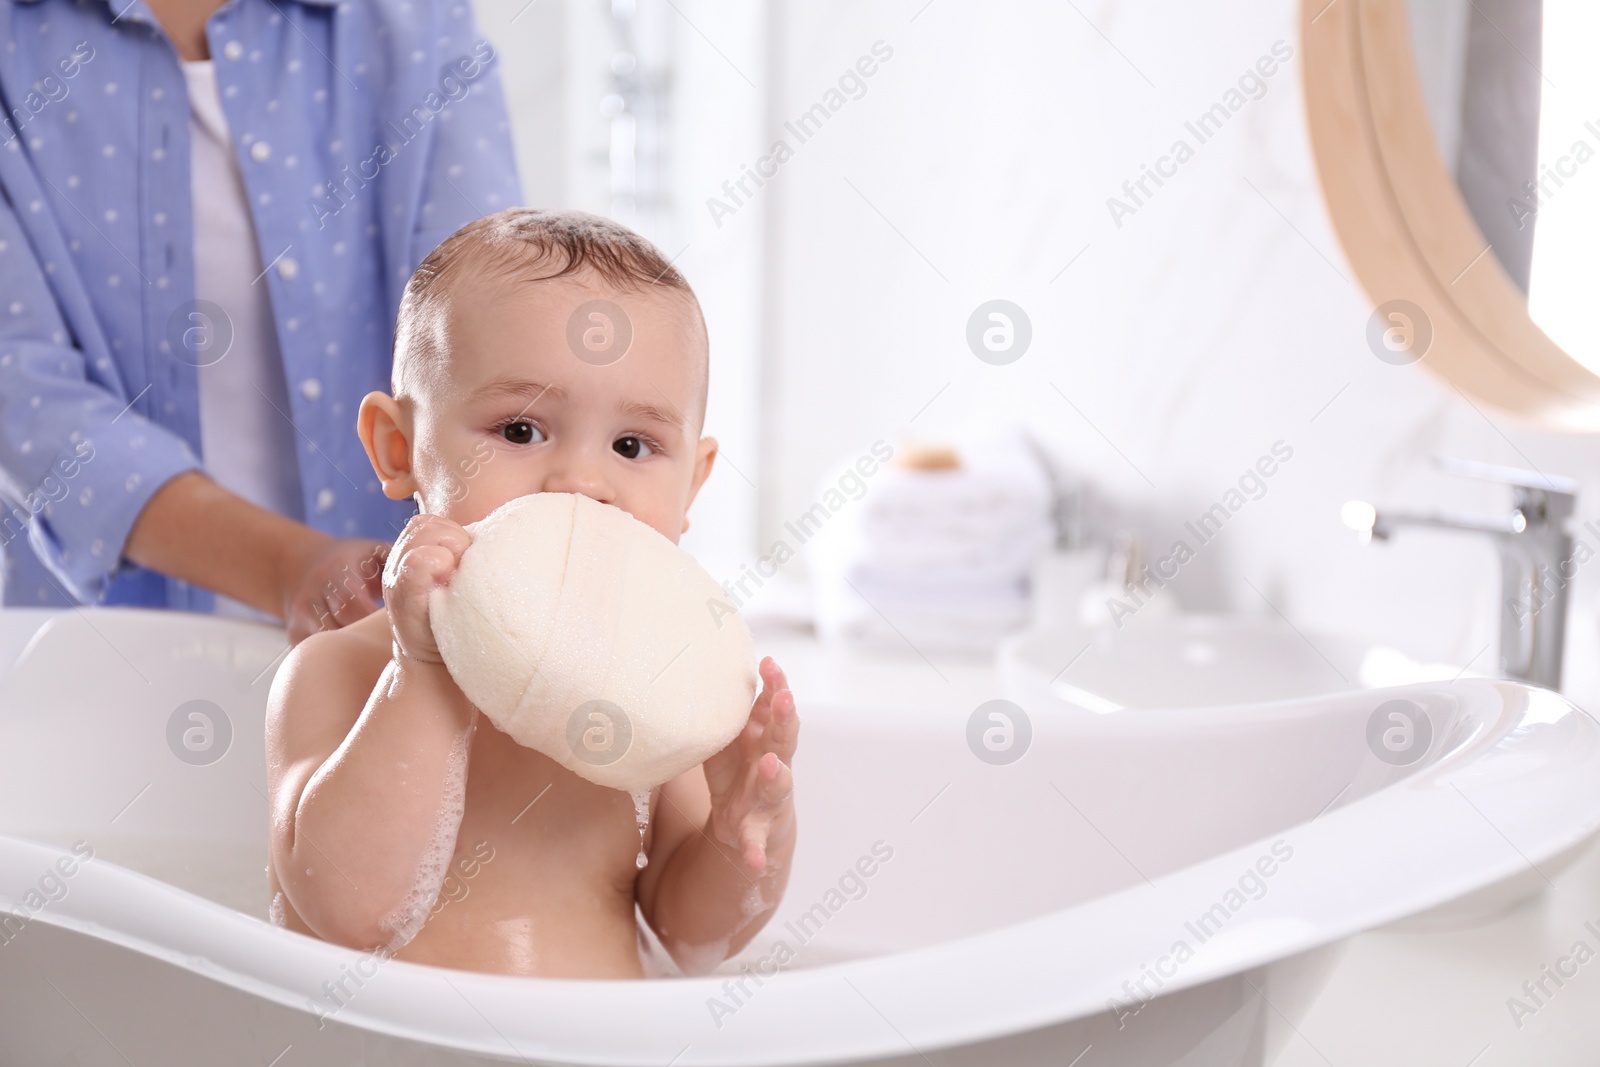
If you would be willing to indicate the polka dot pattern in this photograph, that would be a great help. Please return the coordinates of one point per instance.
(355, 173)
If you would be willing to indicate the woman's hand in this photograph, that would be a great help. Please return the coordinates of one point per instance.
(752, 787)
(425, 555)
(198, 532)
(333, 583)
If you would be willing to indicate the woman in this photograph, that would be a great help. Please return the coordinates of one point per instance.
(209, 213)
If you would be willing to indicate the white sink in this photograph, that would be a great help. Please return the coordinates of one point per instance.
(1194, 661)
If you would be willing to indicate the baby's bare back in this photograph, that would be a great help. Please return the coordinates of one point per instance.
(541, 879)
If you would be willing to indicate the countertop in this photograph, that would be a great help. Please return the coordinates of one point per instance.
(1402, 998)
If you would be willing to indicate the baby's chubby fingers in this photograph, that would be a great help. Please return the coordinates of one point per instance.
(751, 739)
(750, 781)
(774, 782)
(773, 682)
(424, 556)
(771, 792)
(761, 710)
(419, 570)
(436, 538)
(781, 726)
(427, 529)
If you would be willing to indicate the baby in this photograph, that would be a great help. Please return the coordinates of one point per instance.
(535, 352)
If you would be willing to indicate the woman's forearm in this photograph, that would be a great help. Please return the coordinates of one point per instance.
(195, 530)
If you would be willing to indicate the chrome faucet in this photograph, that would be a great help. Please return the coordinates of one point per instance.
(1536, 561)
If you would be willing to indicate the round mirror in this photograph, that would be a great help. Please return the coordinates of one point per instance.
(1458, 145)
(1510, 89)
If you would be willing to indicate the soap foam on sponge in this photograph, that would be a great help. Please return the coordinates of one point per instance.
(585, 634)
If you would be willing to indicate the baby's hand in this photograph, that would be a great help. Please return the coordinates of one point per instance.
(752, 787)
(424, 555)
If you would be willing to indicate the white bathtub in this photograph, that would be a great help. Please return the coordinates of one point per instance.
(1017, 901)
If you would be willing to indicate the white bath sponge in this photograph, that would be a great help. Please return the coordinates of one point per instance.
(585, 634)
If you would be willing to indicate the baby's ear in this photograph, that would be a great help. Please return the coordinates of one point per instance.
(705, 457)
(383, 427)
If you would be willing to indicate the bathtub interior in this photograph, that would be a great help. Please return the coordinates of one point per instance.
(1091, 808)
(84, 718)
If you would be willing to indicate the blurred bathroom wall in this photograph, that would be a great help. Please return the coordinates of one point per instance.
(1175, 338)
(628, 109)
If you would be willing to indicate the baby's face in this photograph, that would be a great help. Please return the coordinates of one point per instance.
(529, 402)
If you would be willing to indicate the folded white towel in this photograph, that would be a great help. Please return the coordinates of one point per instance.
(997, 558)
(937, 558)
(962, 501)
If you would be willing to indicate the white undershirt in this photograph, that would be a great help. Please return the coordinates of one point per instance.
(247, 442)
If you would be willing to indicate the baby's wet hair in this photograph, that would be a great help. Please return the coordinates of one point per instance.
(523, 245)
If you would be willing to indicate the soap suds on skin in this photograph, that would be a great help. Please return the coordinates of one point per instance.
(701, 959)
(753, 902)
(403, 923)
(276, 914)
(641, 816)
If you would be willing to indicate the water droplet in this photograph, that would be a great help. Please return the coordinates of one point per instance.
(641, 817)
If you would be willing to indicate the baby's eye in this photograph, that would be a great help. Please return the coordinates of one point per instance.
(631, 447)
(520, 432)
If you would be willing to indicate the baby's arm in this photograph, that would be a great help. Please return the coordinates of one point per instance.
(725, 834)
(359, 800)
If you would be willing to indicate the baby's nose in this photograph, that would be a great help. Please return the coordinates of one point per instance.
(580, 477)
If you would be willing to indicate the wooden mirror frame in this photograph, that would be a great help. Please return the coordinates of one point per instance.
(1405, 228)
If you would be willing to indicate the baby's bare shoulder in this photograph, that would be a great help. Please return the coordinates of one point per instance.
(322, 686)
(355, 652)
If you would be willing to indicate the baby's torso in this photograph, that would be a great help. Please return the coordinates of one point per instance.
(541, 881)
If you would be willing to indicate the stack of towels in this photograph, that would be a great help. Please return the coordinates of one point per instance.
(937, 554)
